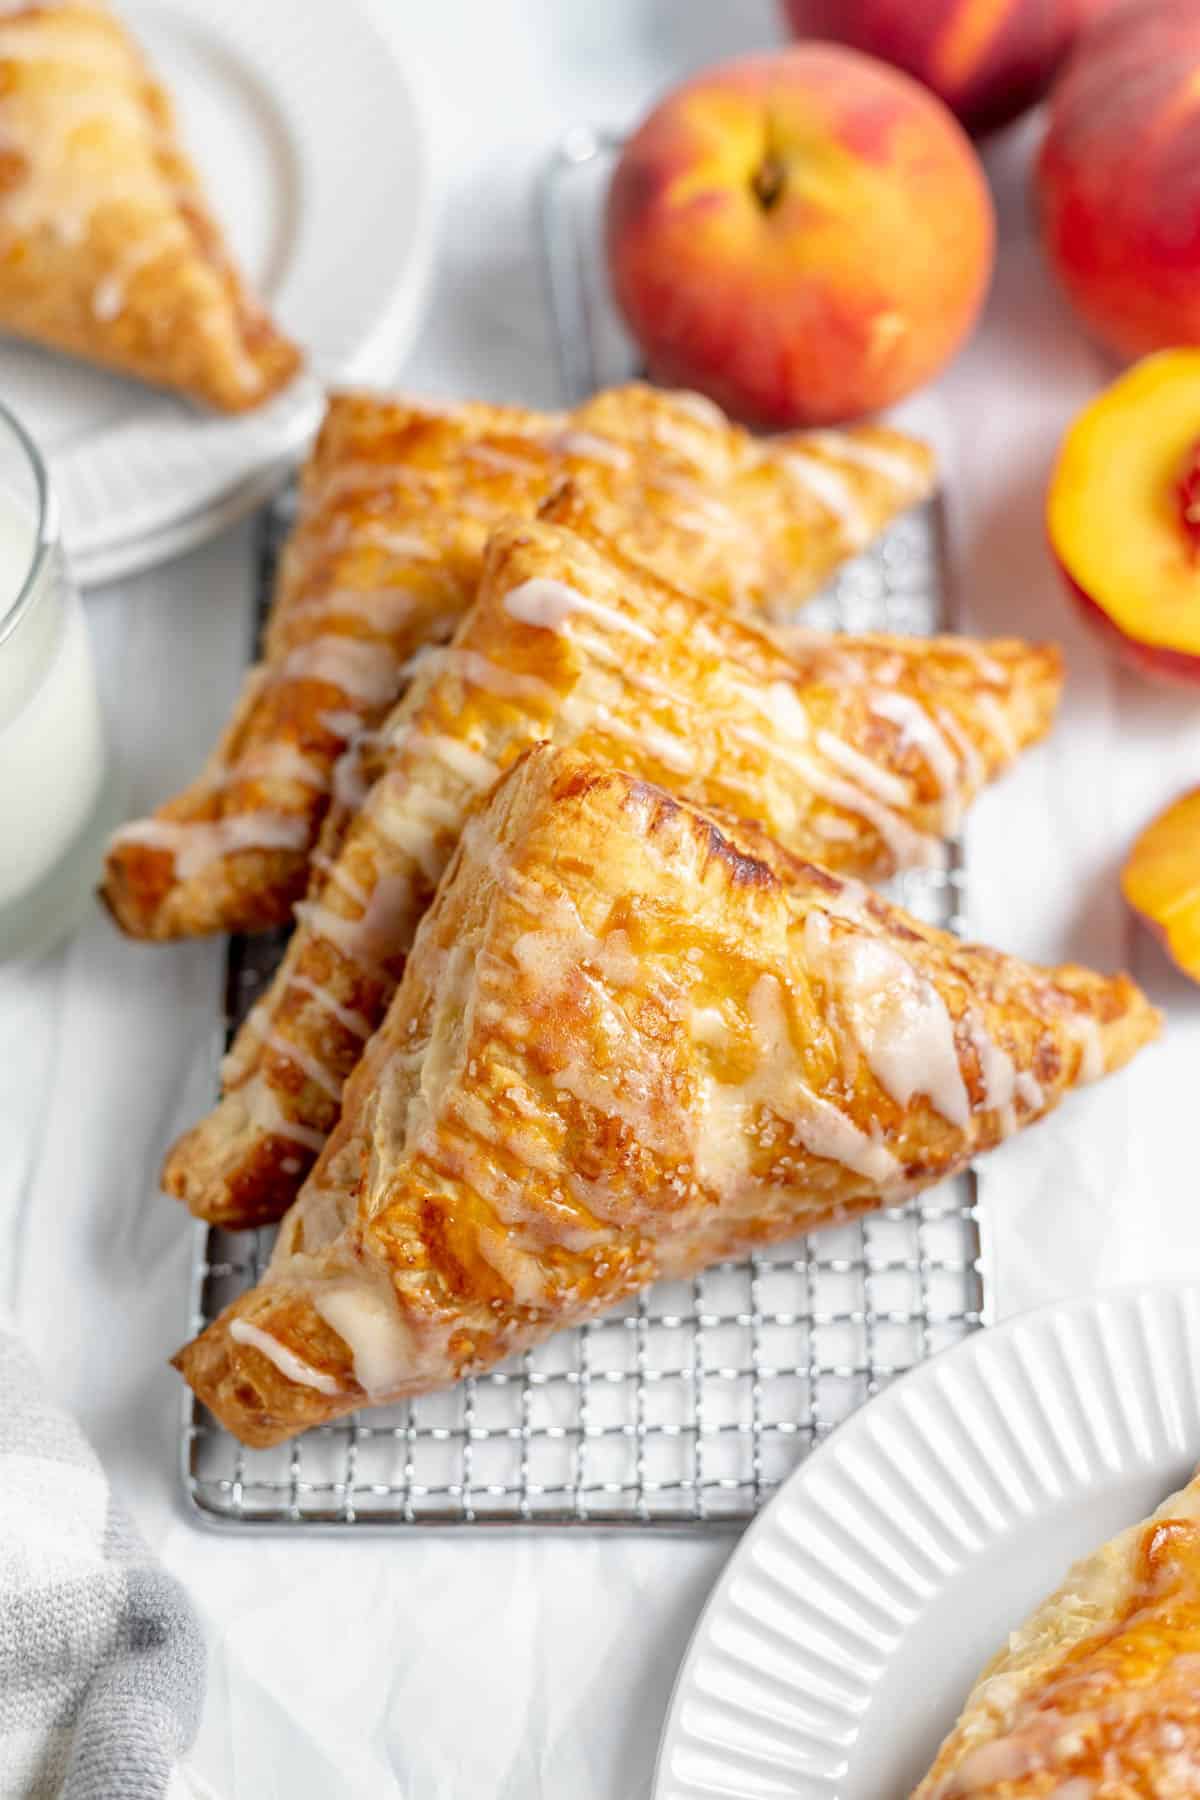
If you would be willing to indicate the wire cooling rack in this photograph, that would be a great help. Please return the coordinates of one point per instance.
(692, 1404)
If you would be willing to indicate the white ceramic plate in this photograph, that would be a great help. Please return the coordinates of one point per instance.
(308, 130)
(851, 1621)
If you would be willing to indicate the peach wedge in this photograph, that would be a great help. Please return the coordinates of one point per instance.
(1161, 881)
(1123, 513)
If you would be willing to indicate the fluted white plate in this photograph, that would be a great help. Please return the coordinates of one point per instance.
(840, 1643)
(307, 126)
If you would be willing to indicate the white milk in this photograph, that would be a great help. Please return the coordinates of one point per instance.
(52, 752)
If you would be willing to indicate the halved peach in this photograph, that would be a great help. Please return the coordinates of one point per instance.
(1123, 513)
(1161, 881)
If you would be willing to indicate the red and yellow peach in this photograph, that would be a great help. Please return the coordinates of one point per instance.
(805, 236)
(987, 59)
(1118, 179)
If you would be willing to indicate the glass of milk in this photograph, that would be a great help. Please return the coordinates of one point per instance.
(55, 794)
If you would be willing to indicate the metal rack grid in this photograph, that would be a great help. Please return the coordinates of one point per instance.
(692, 1404)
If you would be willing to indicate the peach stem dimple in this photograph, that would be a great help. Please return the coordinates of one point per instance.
(767, 181)
(1187, 489)
(769, 178)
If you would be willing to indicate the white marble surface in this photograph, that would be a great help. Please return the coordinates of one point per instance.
(514, 1667)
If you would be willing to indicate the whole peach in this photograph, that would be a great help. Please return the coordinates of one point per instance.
(987, 59)
(805, 236)
(1118, 180)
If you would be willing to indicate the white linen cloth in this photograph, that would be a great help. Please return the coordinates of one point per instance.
(513, 1667)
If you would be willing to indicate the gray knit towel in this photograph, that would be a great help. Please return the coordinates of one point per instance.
(101, 1656)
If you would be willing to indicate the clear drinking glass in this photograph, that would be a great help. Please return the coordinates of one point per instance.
(56, 800)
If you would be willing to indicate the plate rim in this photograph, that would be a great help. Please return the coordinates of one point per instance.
(1126, 1296)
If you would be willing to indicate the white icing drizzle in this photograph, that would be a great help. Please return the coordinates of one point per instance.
(699, 406)
(437, 1061)
(108, 299)
(342, 722)
(672, 751)
(386, 608)
(995, 722)
(833, 829)
(701, 512)
(367, 1319)
(309, 1066)
(831, 489)
(504, 461)
(898, 1018)
(396, 543)
(586, 445)
(285, 1360)
(975, 769)
(531, 1152)
(344, 934)
(888, 463)
(356, 1023)
(471, 766)
(508, 684)
(985, 665)
(388, 917)
(918, 729)
(350, 474)
(726, 1109)
(889, 788)
(196, 844)
(514, 1264)
(366, 670)
(779, 703)
(476, 507)
(549, 604)
(333, 870)
(423, 824)
(275, 762)
(619, 1092)
(709, 1025)
(1087, 1035)
(997, 1072)
(911, 849)
(350, 781)
(552, 955)
(266, 1113)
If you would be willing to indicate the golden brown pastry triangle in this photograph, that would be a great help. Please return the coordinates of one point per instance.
(1096, 1696)
(625, 1048)
(859, 752)
(107, 246)
(397, 504)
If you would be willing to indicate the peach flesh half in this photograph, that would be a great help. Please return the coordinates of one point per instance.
(1161, 881)
(1123, 512)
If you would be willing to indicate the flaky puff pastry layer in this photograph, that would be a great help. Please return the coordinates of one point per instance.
(108, 249)
(396, 507)
(627, 1046)
(859, 752)
(1096, 1696)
